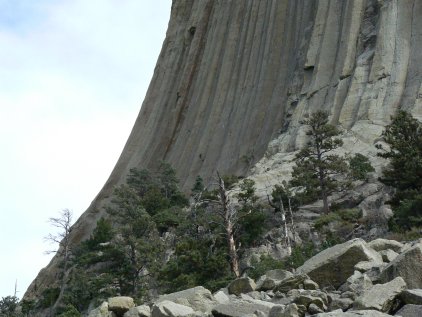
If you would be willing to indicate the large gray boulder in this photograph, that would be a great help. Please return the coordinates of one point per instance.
(271, 279)
(410, 311)
(242, 308)
(167, 308)
(242, 285)
(292, 282)
(138, 311)
(381, 296)
(358, 283)
(101, 311)
(408, 265)
(333, 266)
(290, 310)
(359, 313)
(412, 296)
(120, 304)
(384, 244)
(198, 298)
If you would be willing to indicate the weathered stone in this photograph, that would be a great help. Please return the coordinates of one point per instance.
(102, 311)
(314, 309)
(357, 284)
(138, 311)
(120, 304)
(408, 265)
(167, 308)
(290, 310)
(340, 303)
(221, 297)
(410, 310)
(306, 300)
(381, 296)
(384, 244)
(242, 285)
(388, 255)
(241, 308)
(412, 296)
(358, 313)
(198, 298)
(309, 284)
(334, 265)
(291, 283)
(271, 279)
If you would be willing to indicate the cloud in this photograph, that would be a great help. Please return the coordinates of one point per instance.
(74, 74)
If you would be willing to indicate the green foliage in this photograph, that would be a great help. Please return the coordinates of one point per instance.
(8, 306)
(49, 297)
(138, 239)
(360, 167)
(300, 254)
(70, 311)
(404, 171)
(198, 186)
(326, 219)
(247, 195)
(156, 190)
(27, 306)
(282, 196)
(316, 167)
(197, 261)
(251, 227)
(264, 264)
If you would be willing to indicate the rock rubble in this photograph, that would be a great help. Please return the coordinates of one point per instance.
(327, 285)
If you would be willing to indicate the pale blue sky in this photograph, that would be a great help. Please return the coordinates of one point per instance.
(73, 74)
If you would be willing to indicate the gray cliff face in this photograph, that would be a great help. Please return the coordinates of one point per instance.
(233, 75)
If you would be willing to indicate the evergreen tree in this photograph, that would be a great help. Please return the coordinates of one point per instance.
(317, 168)
(404, 171)
(137, 238)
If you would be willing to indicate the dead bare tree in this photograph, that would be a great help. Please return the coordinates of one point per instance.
(62, 241)
(227, 215)
(62, 238)
(278, 205)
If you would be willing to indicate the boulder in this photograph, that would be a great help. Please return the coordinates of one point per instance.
(309, 284)
(271, 279)
(340, 303)
(412, 296)
(242, 285)
(359, 313)
(381, 296)
(167, 308)
(314, 309)
(291, 310)
(388, 255)
(408, 265)
(101, 311)
(221, 297)
(358, 283)
(198, 298)
(138, 311)
(334, 265)
(292, 282)
(410, 311)
(120, 304)
(241, 308)
(384, 244)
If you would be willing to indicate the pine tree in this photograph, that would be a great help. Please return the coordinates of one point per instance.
(404, 171)
(317, 168)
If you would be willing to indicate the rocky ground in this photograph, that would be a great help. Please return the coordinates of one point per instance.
(356, 278)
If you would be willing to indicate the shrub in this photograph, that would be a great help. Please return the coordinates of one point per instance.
(264, 264)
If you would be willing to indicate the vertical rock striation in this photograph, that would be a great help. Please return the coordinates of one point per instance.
(233, 75)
